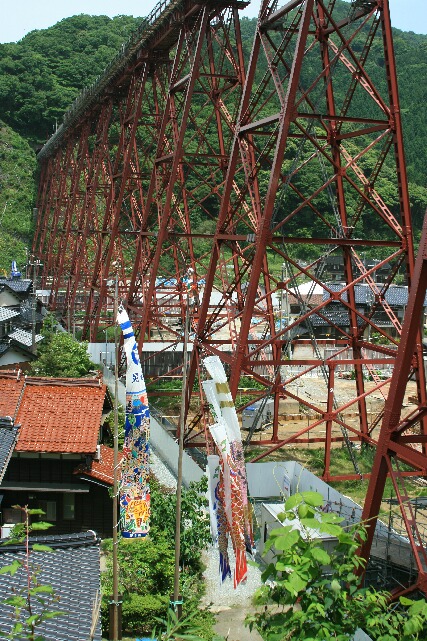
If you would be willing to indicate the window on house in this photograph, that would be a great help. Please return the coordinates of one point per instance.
(69, 506)
(49, 509)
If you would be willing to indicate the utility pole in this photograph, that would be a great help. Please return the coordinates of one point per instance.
(115, 475)
(35, 263)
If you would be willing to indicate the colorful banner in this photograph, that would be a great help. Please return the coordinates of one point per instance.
(233, 510)
(218, 519)
(134, 488)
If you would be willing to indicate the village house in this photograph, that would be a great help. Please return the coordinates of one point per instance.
(14, 291)
(58, 461)
(18, 320)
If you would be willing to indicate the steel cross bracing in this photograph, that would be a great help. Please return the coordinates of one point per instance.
(198, 174)
(402, 437)
(125, 150)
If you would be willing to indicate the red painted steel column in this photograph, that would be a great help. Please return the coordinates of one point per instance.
(114, 201)
(405, 207)
(390, 441)
(263, 231)
(93, 185)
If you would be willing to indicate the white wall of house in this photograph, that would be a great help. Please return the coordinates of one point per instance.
(8, 298)
(13, 357)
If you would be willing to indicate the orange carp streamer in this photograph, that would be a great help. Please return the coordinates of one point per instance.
(230, 500)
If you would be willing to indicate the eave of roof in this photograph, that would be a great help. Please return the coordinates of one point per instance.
(99, 471)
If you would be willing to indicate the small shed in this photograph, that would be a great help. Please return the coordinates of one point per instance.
(270, 521)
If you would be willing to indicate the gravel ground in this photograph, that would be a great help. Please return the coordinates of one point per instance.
(230, 605)
(162, 472)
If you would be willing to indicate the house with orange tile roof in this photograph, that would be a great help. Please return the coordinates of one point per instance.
(59, 462)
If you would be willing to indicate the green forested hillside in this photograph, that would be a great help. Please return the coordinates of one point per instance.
(41, 75)
(17, 196)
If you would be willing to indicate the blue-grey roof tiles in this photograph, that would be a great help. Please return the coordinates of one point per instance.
(73, 571)
(339, 318)
(362, 293)
(8, 436)
(25, 338)
(395, 295)
(20, 285)
(7, 314)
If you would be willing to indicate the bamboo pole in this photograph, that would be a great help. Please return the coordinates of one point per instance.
(177, 601)
(115, 476)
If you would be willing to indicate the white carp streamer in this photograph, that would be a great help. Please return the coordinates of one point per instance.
(228, 488)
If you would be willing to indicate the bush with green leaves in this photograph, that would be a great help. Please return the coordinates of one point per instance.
(140, 613)
(62, 356)
(312, 594)
(189, 628)
(195, 531)
(146, 566)
(33, 604)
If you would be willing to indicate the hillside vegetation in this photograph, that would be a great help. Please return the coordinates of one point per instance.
(17, 196)
(41, 75)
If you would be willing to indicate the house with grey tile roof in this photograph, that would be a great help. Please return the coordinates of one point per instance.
(72, 568)
(8, 318)
(15, 355)
(21, 286)
(8, 297)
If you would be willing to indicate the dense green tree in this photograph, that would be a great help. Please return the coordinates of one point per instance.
(313, 593)
(42, 74)
(62, 357)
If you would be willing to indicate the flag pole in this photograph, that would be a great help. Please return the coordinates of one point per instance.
(115, 476)
(177, 600)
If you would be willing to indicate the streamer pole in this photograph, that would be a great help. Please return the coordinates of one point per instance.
(177, 600)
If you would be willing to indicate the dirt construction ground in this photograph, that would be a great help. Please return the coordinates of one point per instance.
(313, 394)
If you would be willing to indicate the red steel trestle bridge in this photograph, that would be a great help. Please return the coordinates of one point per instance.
(200, 170)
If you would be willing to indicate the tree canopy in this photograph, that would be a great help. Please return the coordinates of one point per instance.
(42, 74)
(62, 357)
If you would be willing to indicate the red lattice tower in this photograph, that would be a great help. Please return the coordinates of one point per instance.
(138, 167)
(315, 135)
(402, 438)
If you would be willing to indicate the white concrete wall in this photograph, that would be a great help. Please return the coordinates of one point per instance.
(161, 441)
(13, 357)
(266, 480)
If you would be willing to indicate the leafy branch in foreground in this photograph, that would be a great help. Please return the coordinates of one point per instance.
(32, 603)
(313, 594)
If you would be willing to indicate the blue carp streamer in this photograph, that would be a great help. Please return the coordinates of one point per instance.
(134, 487)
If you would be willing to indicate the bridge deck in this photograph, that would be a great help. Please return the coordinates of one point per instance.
(156, 33)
